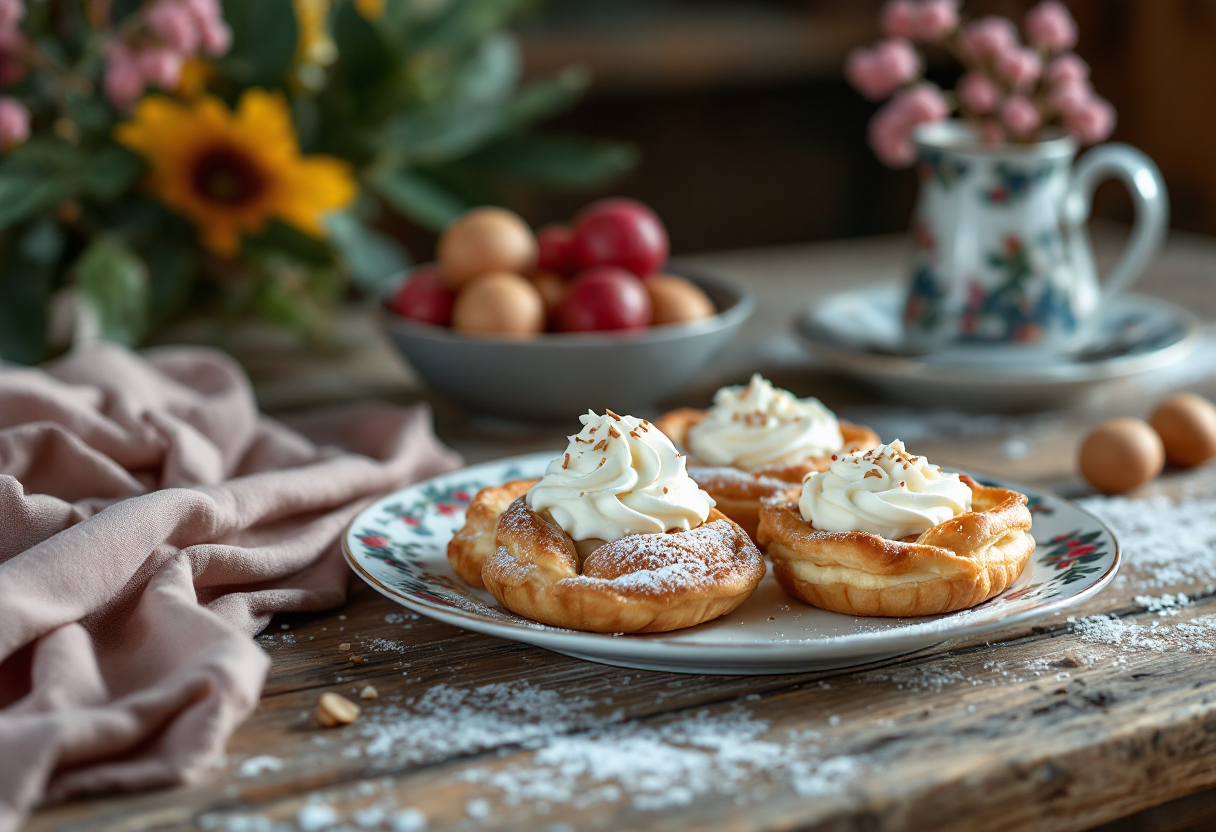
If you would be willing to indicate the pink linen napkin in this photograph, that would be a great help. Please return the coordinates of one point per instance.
(151, 522)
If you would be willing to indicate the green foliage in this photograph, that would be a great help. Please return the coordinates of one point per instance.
(426, 103)
(25, 295)
(264, 38)
(112, 287)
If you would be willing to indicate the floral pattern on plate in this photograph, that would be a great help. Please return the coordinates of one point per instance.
(399, 546)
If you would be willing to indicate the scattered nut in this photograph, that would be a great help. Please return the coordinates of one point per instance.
(334, 709)
(369, 692)
(344, 646)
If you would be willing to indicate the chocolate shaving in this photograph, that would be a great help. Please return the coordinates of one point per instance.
(613, 432)
(613, 415)
(873, 472)
(602, 445)
(566, 464)
(602, 461)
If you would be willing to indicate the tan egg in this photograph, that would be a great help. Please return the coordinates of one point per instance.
(1187, 426)
(485, 240)
(1120, 455)
(675, 300)
(499, 303)
(552, 288)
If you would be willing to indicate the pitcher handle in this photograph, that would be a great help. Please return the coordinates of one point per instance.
(1143, 180)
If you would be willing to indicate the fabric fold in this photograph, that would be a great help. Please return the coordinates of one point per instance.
(151, 522)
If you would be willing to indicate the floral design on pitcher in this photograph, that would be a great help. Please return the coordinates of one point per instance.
(1015, 183)
(926, 299)
(1009, 311)
(942, 169)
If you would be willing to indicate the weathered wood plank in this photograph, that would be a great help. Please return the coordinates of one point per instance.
(938, 726)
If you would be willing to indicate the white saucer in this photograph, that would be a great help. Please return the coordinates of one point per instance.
(399, 544)
(859, 333)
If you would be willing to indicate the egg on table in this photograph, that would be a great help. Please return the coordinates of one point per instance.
(1120, 455)
(1187, 426)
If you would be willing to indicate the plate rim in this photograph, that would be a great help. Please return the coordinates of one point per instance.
(761, 653)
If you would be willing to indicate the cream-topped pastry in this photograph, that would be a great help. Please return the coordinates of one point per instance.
(885, 491)
(759, 425)
(619, 476)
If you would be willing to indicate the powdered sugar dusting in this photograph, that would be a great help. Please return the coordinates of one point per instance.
(667, 766)
(449, 720)
(1167, 543)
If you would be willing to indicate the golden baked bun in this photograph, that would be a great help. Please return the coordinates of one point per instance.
(646, 583)
(738, 492)
(469, 547)
(952, 566)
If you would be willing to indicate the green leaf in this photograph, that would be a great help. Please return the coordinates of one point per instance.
(24, 195)
(463, 23)
(372, 259)
(557, 161)
(172, 270)
(281, 238)
(264, 38)
(110, 172)
(421, 198)
(490, 73)
(25, 297)
(444, 131)
(112, 284)
(548, 96)
(365, 58)
(42, 243)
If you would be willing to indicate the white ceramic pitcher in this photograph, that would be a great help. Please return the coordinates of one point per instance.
(1001, 252)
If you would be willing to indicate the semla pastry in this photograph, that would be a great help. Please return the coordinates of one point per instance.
(615, 538)
(757, 440)
(886, 533)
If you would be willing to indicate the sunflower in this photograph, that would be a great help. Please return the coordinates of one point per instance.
(232, 172)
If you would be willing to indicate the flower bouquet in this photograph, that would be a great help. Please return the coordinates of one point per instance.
(174, 156)
(1011, 91)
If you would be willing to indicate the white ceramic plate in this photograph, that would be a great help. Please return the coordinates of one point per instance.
(399, 544)
(859, 333)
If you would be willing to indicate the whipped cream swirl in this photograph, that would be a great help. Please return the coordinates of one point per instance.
(759, 425)
(885, 491)
(619, 476)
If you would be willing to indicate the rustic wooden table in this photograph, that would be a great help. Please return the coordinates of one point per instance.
(1048, 727)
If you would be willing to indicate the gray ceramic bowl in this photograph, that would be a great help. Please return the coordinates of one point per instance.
(556, 377)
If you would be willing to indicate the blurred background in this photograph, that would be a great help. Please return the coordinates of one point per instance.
(749, 135)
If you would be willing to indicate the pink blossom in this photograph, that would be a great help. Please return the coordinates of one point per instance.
(1050, 27)
(217, 38)
(11, 13)
(160, 67)
(989, 37)
(1071, 95)
(1020, 67)
(214, 32)
(898, 19)
(935, 19)
(14, 122)
(12, 41)
(978, 93)
(1020, 115)
(1066, 67)
(1092, 123)
(173, 22)
(878, 72)
(123, 81)
(892, 126)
